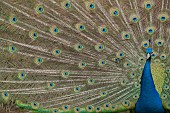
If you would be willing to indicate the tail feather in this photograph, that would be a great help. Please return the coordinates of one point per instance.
(72, 55)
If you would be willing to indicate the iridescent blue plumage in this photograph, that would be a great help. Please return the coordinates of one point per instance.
(149, 100)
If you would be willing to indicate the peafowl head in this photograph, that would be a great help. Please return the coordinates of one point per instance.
(149, 53)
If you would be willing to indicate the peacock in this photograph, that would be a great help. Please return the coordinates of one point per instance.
(84, 56)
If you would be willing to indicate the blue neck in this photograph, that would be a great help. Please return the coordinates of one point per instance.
(149, 100)
(147, 83)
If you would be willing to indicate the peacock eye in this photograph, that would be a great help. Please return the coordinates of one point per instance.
(35, 104)
(125, 35)
(102, 62)
(65, 74)
(126, 103)
(5, 94)
(163, 17)
(39, 9)
(145, 44)
(127, 64)
(56, 52)
(167, 70)
(113, 107)
(107, 105)
(11, 48)
(66, 4)
(137, 85)
(33, 35)
(82, 65)
(164, 96)
(103, 94)
(102, 29)
(150, 30)
(92, 6)
(82, 27)
(80, 46)
(136, 96)
(91, 81)
(159, 42)
(14, 19)
(40, 60)
(163, 56)
(22, 74)
(55, 111)
(77, 89)
(100, 47)
(66, 108)
(56, 30)
(134, 18)
(148, 6)
(77, 109)
(166, 87)
(51, 84)
(116, 13)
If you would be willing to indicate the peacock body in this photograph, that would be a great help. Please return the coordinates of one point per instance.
(80, 56)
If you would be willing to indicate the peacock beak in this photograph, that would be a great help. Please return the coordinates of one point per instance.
(148, 55)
